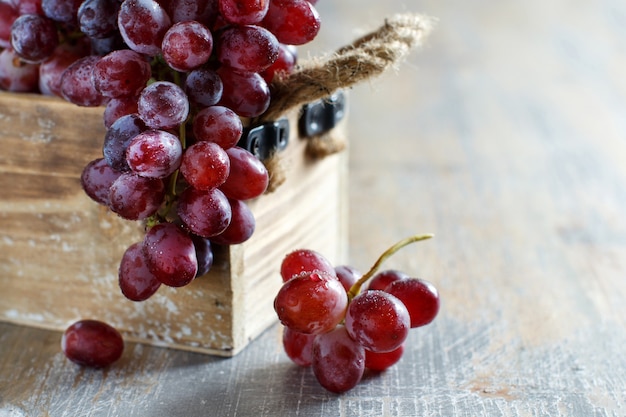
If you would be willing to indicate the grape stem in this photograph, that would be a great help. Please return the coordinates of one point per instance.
(356, 288)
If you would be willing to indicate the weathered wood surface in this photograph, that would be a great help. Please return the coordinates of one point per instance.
(506, 138)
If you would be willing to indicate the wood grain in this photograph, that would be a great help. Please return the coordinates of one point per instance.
(504, 136)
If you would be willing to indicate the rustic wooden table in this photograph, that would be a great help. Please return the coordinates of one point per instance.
(506, 137)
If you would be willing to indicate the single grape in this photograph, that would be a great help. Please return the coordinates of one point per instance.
(293, 22)
(77, 85)
(121, 73)
(136, 281)
(204, 213)
(16, 75)
(347, 275)
(298, 346)
(241, 227)
(170, 255)
(379, 361)
(97, 178)
(304, 260)
(203, 87)
(420, 297)
(92, 343)
(135, 198)
(218, 124)
(163, 105)
(187, 45)
(154, 153)
(338, 361)
(98, 18)
(204, 254)
(33, 37)
(205, 165)
(382, 279)
(246, 12)
(247, 48)
(142, 24)
(378, 321)
(248, 176)
(246, 93)
(117, 139)
(311, 303)
(28, 6)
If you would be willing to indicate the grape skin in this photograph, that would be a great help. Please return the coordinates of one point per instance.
(204, 213)
(338, 361)
(247, 48)
(136, 198)
(218, 124)
(241, 227)
(92, 343)
(170, 255)
(420, 297)
(154, 153)
(304, 260)
(311, 303)
(96, 180)
(163, 105)
(121, 73)
(187, 45)
(135, 279)
(298, 346)
(248, 176)
(34, 38)
(142, 24)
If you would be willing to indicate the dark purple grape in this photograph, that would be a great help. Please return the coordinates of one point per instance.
(64, 11)
(98, 18)
(204, 213)
(338, 361)
(135, 198)
(97, 178)
(170, 255)
(204, 254)
(204, 87)
(136, 281)
(92, 343)
(241, 227)
(34, 38)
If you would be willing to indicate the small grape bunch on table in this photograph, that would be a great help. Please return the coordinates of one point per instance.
(339, 330)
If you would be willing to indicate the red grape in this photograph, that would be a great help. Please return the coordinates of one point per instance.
(154, 153)
(248, 176)
(379, 361)
(92, 343)
(77, 84)
(170, 255)
(244, 12)
(187, 45)
(163, 105)
(136, 281)
(285, 63)
(135, 198)
(8, 14)
(204, 213)
(420, 297)
(247, 48)
(51, 70)
(142, 24)
(205, 165)
(246, 93)
(218, 124)
(121, 73)
(294, 22)
(118, 107)
(304, 260)
(312, 303)
(241, 225)
(378, 321)
(298, 346)
(347, 275)
(338, 361)
(381, 280)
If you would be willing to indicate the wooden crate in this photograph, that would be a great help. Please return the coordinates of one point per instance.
(59, 251)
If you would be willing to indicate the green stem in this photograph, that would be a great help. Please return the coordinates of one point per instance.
(356, 288)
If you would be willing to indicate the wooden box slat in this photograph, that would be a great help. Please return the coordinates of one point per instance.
(59, 251)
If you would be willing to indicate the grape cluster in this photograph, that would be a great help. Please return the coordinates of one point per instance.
(177, 79)
(339, 330)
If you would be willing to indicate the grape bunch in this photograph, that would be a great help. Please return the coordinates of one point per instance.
(179, 81)
(339, 330)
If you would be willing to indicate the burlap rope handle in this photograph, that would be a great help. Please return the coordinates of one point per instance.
(367, 57)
